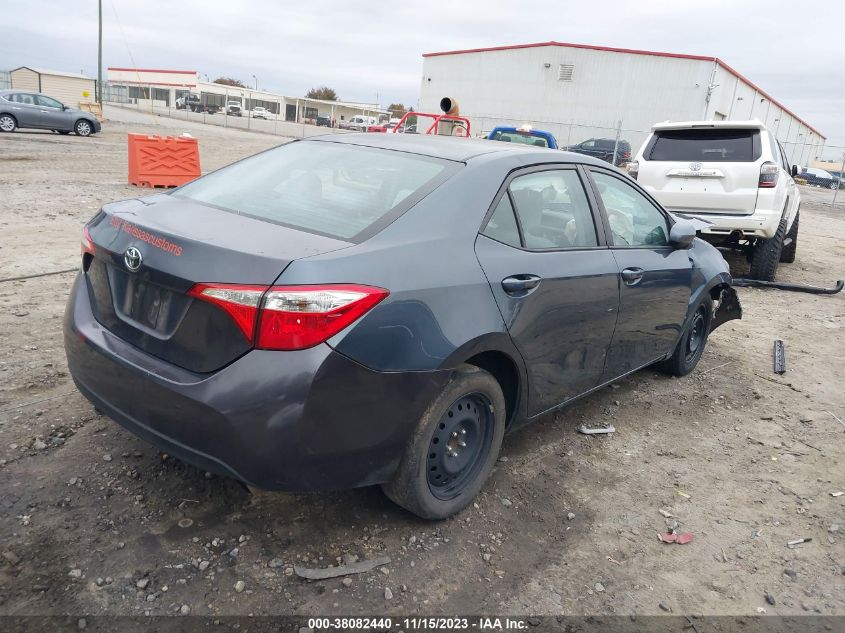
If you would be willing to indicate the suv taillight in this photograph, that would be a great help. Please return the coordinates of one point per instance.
(633, 169)
(768, 175)
(290, 317)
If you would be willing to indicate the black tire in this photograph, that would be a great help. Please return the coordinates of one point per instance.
(83, 127)
(692, 342)
(470, 411)
(766, 255)
(790, 243)
(8, 123)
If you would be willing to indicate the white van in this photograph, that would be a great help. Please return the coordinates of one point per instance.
(359, 122)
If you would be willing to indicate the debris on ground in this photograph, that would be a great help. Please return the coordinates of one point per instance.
(596, 431)
(679, 539)
(780, 357)
(341, 570)
(797, 541)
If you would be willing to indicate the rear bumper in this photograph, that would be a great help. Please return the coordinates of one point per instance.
(297, 421)
(762, 223)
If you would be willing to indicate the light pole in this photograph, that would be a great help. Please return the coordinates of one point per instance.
(100, 55)
(256, 81)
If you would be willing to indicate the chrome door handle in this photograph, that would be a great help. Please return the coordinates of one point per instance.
(632, 276)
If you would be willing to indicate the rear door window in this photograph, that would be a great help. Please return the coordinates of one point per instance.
(705, 145)
(334, 189)
(553, 210)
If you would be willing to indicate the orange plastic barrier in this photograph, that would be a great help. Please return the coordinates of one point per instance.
(162, 161)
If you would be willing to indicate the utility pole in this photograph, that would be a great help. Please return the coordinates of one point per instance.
(100, 55)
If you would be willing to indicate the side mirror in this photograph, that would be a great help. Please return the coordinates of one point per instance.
(794, 171)
(682, 234)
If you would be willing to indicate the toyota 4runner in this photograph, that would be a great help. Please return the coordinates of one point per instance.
(735, 176)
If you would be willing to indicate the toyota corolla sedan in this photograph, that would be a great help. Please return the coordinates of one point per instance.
(378, 309)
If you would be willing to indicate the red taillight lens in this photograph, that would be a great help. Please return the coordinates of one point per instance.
(87, 242)
(768, 175)
(298, 317)
(290, 317)
(239, 302)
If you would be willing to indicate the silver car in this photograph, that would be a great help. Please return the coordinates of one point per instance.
(21, 109)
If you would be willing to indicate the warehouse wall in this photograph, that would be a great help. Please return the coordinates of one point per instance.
(514, 86)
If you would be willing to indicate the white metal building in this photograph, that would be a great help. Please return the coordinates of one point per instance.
(69, 88)
(161, 88)
(578, 91)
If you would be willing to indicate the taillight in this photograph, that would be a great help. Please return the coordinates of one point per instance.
(633, 169)
(297, 317)
(239, 302)
(290, 317)
(87, 242)
(768, 175)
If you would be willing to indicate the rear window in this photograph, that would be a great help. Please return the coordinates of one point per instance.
(705, 145)
(517, 137)
(342, 191)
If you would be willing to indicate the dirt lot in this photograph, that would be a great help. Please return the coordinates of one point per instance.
(95, 521)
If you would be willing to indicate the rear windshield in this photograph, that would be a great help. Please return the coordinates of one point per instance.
(334, 189)
(516, 137)
(705, 145)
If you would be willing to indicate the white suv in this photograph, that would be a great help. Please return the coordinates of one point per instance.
(732, 174)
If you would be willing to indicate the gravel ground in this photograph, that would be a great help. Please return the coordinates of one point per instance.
(95, 521)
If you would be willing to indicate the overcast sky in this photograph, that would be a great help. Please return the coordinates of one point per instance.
(792, 50)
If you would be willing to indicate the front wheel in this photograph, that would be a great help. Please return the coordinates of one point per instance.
(83, 128)
(454, 447)
(833, 185)
(7, 123)
(691, 345)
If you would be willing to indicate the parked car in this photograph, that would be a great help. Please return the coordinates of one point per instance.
(602, 148)
(732, 174)
(289, 320)
(324, 120)
(33, 110)
(525, 135)
(820, 178)
(260, 113)
(234, 108)
(358, 122)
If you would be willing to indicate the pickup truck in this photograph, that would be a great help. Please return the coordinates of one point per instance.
(525, 135)
(193, 103)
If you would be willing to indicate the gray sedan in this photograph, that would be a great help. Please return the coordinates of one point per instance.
(20, 109)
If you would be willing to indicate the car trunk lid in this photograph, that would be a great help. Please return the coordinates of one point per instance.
(149, 253)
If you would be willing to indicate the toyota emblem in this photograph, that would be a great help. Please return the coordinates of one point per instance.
(132, 258)
(695, 166)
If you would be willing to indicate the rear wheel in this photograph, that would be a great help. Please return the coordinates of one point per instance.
(790, 243)
(454, 447)
(693, 341)
(766, 255)
(7, 123)
(83, 128)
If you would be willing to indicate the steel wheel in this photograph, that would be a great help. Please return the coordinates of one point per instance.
(8, 123)
(697, 334)
(83, 128)
(460, 445)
